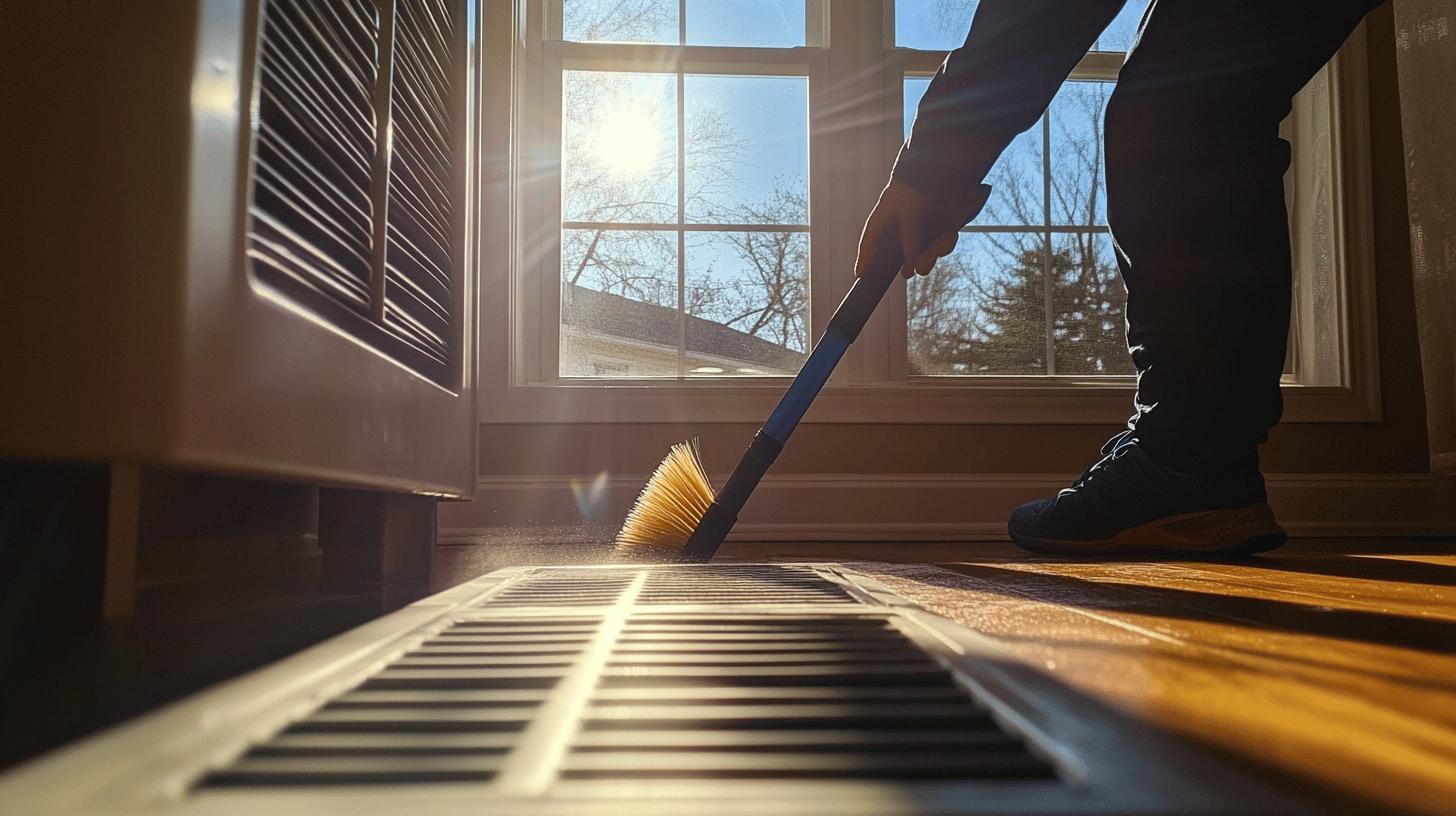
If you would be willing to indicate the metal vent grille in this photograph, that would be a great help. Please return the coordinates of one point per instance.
(775, 697)
(448, 710)
(628, 694)
(312, 224)
(418, 295)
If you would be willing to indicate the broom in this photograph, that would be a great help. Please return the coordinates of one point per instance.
(677, 509)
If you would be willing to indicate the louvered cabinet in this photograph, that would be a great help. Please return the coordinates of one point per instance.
(238, 238)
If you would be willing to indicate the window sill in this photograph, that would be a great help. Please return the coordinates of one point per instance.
(989, 401)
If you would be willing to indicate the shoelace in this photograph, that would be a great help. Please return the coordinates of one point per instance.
(1113, 448)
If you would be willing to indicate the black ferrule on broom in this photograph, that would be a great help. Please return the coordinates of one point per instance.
(844, 326)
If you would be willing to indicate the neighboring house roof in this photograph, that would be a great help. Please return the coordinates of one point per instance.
(605, 313)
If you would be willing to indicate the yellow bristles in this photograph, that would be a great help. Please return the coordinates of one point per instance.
(669, 508)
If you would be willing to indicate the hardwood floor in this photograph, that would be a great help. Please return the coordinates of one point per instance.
(1331, 660)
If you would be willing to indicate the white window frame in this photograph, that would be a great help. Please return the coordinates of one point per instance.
(519, 299)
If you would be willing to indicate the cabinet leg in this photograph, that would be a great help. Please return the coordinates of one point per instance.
(376, 542)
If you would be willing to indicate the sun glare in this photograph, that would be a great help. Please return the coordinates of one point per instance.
(626, 142)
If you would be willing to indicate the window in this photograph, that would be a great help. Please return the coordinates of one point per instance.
(691, 177)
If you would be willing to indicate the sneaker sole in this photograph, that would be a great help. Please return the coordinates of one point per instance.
(1240, 531)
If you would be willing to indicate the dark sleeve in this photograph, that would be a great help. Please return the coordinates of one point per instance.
(1015, 57)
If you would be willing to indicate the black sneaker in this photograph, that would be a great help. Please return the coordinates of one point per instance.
(1128, 503)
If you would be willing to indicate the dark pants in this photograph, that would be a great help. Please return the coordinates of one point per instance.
(1195, 200)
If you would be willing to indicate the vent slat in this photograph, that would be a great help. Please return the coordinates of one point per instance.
(418, 661)
(714, 695)
(760, 658)
(355, 770)
(791, 715)
(772, 765)
(415, 718)
(756, 739)
(441, 697)
(322, 744)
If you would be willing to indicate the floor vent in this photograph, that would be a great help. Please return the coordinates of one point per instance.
(750, 690)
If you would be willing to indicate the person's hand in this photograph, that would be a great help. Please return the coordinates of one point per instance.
(901, 214)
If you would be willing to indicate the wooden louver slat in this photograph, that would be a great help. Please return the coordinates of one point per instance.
(366, 240)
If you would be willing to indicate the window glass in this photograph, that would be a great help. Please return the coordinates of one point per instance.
(619, 147)
(1015, 179)
(747, 302)
(747, 149)
(1088, 298)
(983, 309)
(644, 21)
(1078, 187)
(933, 25)
(1118, 36)
(618, 303)
(940, 25)
(757, 23)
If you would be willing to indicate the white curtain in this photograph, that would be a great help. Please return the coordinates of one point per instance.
(1426, 59)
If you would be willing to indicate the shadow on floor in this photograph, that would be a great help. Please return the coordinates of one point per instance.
(1382, 629)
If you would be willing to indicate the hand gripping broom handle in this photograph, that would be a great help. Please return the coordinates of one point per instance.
(844, 326)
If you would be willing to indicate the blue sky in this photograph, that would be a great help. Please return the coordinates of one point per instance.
(940, 25)
(763, 23)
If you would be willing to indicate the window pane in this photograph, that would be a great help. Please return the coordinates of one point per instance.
(747, 300)
(933, 25)
(761, 23)
(1079, 189)
(619, 313)
(1089, 299)
(648, 21)
(983, 309)
(1118, 36)
(1015, 179)
(747, 149)
(619, 151)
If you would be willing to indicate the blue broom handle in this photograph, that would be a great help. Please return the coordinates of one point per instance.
(844, 326)
(859, 303)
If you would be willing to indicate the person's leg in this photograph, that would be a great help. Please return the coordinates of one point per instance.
(1195, 201)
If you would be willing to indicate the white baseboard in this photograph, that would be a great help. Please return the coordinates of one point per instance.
(916, 507)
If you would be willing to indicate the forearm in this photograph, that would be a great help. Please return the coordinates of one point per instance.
(993, 87)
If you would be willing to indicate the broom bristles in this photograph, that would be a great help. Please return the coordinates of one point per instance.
(672, 503)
